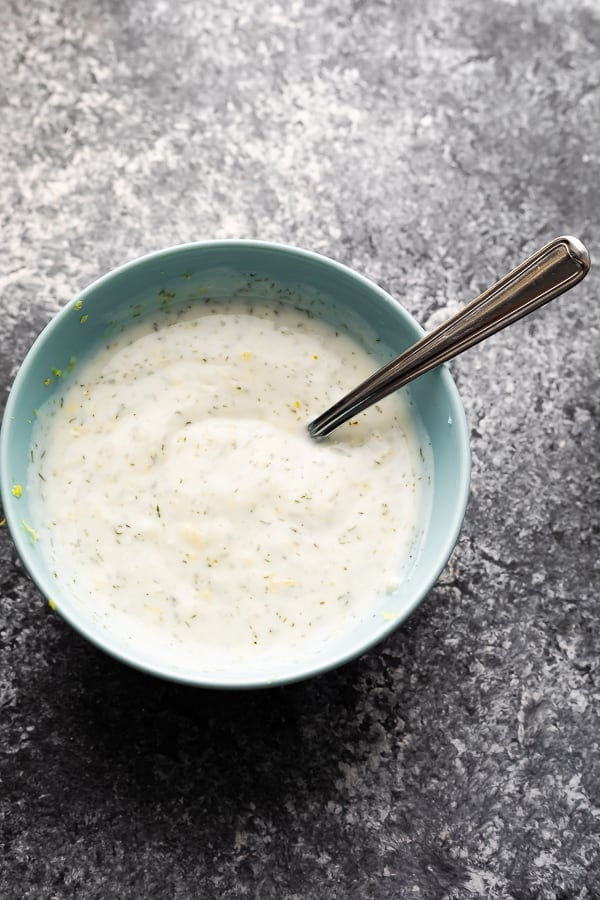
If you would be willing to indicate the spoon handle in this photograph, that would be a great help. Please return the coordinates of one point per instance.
(555, 268)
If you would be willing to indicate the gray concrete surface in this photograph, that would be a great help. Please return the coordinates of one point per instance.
(430, 145)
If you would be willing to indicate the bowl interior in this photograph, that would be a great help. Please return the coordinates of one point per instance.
(250, 269)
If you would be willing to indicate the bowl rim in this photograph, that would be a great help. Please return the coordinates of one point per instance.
(300, 672)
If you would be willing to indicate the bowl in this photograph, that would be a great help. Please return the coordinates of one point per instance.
(181, 277)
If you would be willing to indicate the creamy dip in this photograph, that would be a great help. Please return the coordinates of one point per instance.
(179, 497)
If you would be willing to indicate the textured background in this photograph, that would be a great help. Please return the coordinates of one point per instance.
(431, 145)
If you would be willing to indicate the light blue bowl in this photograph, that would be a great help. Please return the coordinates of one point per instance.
(187, 272)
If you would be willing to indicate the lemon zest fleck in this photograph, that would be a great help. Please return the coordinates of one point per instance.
(78, 305)
(192, 536)
(83, 319)
(17, 490)
(154, 608)
(30, 531)
(2, 522)
(52, 605)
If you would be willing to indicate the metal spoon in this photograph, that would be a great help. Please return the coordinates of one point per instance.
(556, 268)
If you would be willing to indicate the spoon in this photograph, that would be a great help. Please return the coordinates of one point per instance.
(555, 268)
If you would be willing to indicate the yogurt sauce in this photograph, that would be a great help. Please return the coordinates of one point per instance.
(179, 497)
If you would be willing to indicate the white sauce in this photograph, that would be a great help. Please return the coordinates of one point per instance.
(179, 497)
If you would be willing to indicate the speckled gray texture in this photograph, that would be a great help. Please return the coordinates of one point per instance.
(431, 145)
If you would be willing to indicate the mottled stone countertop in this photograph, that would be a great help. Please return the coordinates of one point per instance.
(431, 145)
